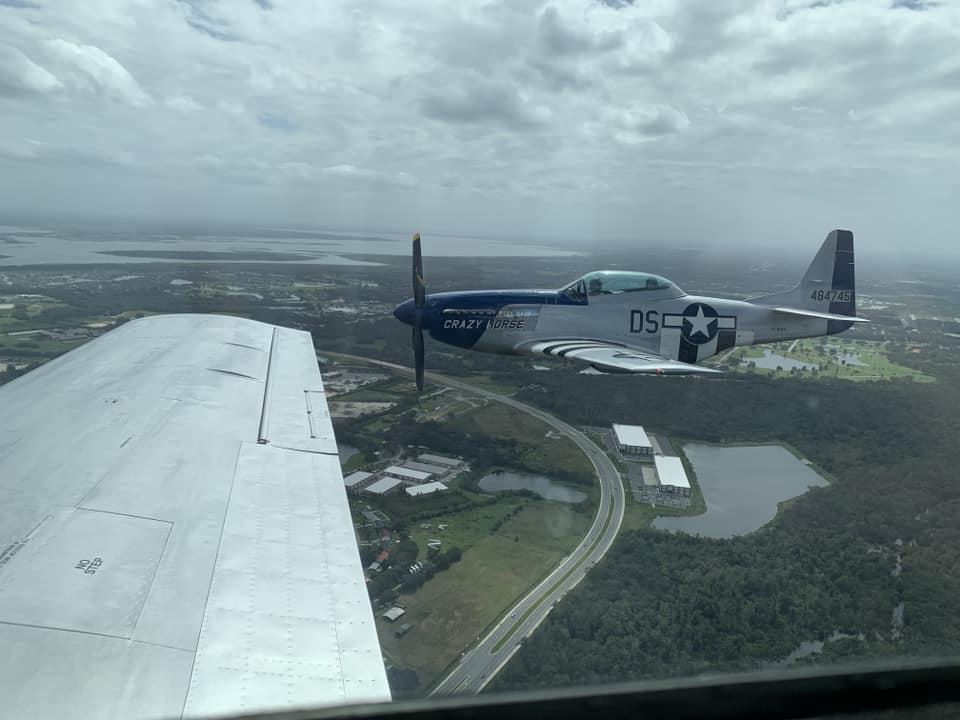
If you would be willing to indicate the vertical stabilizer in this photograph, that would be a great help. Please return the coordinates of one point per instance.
(828, 285)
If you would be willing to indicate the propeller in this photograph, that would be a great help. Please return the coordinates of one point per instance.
(419, 293)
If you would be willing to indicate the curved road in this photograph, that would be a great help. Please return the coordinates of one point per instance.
(481, 662)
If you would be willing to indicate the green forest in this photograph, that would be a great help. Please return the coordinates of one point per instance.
(663, 605)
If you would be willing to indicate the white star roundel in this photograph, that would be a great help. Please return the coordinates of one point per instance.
(699, 323)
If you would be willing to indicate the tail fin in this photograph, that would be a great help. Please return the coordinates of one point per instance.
(828, 286)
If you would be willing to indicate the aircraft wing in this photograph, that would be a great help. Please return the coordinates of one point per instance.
(610, 357)
(175, 538)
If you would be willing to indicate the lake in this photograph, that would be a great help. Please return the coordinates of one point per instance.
(742, 487)
(542, 486)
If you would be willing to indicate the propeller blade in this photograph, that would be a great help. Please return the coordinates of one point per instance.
(419, 295)
(418, 355)
(419, 288)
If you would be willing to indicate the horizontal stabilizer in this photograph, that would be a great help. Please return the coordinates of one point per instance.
(799, 312)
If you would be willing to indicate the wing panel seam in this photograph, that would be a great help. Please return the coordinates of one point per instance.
(213, 571)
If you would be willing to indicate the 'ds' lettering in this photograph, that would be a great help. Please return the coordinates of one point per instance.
(640, 322)
(653, 322)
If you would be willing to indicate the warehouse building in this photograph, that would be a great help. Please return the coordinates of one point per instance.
(632, 440)
(424, 467)
(401, 473)
(383, 486)
(440, 460)
(425, 489)
(671, 476)
(354, 481)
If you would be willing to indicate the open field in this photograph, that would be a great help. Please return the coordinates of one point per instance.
(502, 422)
(39, 343)
(453, 609)
(466, 528)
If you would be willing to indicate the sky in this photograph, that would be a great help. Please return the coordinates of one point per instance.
(664, 121)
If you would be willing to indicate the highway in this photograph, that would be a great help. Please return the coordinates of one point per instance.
(484, 660)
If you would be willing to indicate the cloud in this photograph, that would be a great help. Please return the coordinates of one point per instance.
(182, 104)
(94, 69)
(567, 117)
(277, 122)
(637, 124)
(476, 100)
(350, 173)
(35, 151)
(19, 75)
(560, 39)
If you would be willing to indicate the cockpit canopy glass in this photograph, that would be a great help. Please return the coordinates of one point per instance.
(607, 282)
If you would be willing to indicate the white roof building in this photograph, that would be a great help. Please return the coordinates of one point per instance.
(383, 486)
(355, 478)
(393, 613)
(440, 460)
(406, 474)
(424, 467)
(671, 473)
(631, 436)
(425, 489)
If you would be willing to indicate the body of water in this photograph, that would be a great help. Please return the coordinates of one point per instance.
(770, 361)
(346, 452)
(320, 248)
(742, 487)
(542, 486)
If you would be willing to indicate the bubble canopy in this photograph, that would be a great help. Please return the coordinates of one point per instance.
(612, 282)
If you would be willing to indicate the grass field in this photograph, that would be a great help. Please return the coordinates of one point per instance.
(39, 343)
(454, 608)
(467, 528)
(503, 422)
(812, 351)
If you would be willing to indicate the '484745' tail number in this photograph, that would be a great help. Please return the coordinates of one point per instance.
(831, 295)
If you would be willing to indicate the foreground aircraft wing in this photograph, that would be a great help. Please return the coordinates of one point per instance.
(175, 538)
(609, 357)
(799, 312)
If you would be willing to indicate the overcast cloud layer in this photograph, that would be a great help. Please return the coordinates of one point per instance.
(661, 121)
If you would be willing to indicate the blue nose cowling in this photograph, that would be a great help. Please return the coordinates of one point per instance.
(405, 312)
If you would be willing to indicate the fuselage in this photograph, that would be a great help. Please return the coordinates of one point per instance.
(662, 320)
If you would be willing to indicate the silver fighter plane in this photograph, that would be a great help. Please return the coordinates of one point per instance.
(634, 322)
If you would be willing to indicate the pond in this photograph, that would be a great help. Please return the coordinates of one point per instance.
(346, 452)
(742, 487)
(542, 486)
(770, 361)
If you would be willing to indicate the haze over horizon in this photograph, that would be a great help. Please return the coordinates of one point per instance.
(572, 119)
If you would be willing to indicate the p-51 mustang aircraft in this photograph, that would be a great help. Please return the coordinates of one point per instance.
(634, 322)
